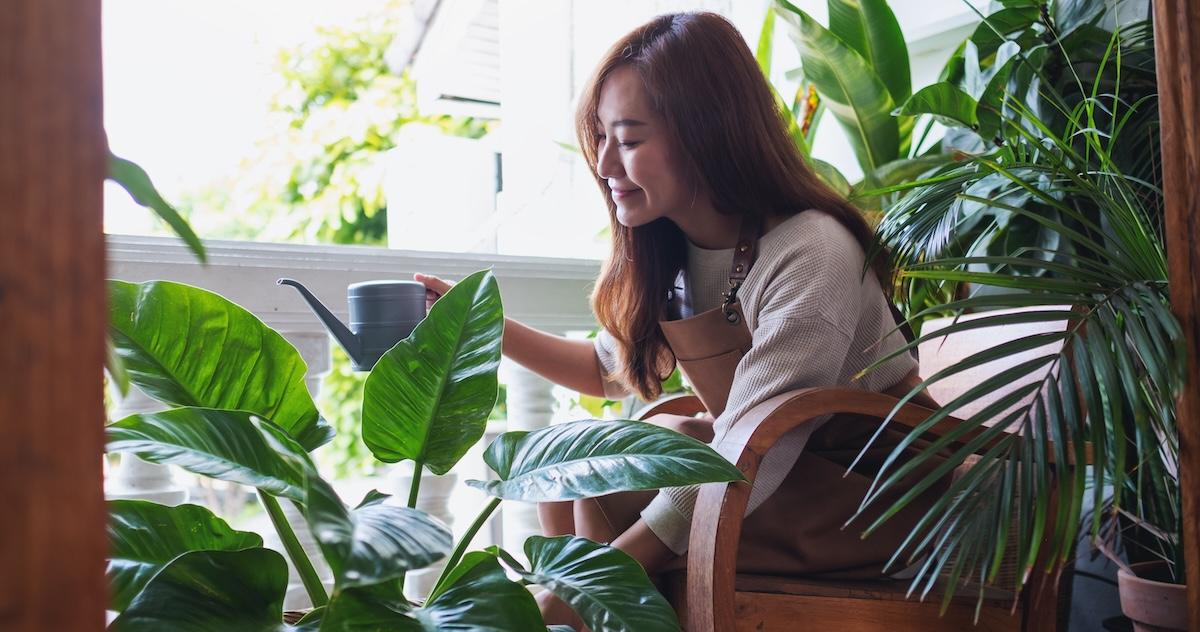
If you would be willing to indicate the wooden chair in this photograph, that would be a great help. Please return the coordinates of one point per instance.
(712, 597)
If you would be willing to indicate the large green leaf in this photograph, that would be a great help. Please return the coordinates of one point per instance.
(988, 111)
(478, 596)
(369, 609)
(143, 537)
(1003, 25)
(870, 27)
(202, 591)
(429, 397)
(589, 458)
(374, 542)
(227, 445)
(137, 183)
(852, 91)
(190, 347)
(607, 588)
(947, 104)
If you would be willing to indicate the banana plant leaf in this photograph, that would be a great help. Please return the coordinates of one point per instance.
(137, 183)
(375, 542)
(944, 101)
(227, 445)
(859, 100)
(429, 397)
(589, 458)
(870, 27)
(201, 591)
(608, 589)
(190, 347)
(143, 537)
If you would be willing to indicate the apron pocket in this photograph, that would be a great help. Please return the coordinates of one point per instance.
(711, 378)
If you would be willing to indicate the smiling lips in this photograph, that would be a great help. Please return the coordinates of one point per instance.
(620, 194)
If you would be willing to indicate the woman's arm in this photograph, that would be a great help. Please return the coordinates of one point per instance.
(565, 361)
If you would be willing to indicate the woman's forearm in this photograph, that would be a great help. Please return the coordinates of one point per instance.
(640, 543)
(569, 362)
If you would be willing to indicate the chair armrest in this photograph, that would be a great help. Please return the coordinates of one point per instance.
(683, 404)
(713, 544)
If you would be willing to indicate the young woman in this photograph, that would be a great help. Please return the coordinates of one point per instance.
(733, 261)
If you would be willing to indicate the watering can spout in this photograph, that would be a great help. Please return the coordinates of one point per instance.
(349, 341)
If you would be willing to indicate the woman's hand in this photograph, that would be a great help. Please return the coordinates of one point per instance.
(434, 288)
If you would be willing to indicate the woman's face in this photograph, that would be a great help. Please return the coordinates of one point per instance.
(634, 153)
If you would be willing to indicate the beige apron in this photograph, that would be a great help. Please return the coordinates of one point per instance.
(798, 530)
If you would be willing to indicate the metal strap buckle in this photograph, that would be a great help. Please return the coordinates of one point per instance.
(727, 306)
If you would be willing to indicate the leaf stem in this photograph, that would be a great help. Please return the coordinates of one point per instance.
(418, 468)
(295, 552)
(461, 548)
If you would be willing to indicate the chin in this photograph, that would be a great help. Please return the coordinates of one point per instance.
(634, 217)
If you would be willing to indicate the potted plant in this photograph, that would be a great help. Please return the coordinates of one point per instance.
(1059, 204)
(241, 413)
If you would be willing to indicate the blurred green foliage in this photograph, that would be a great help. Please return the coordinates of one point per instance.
(317, 174)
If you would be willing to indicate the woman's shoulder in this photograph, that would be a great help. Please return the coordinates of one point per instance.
(809, 233)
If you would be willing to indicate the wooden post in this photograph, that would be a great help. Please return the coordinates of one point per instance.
(1177, 53)
(52, 316)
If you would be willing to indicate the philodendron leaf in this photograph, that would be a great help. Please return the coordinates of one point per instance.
(369, 609)
(190, 347)
(374, 542)
(137, 183)
(429, 397)
(203, 591)
(478, 596)
(227, 445)
(144, 536)
(988, 110)
(589, 458)
(608, 589)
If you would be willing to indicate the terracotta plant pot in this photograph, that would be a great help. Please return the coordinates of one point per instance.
(1154, 606)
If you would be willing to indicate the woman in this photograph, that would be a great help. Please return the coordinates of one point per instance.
(732, 259)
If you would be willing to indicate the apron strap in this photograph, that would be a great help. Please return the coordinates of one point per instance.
(743, 258)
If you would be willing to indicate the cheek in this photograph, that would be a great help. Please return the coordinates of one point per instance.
(655, 171)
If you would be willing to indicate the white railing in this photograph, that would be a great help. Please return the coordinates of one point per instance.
(547, 293)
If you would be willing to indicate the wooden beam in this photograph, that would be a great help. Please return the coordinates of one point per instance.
(1177, 54)
(52, 316)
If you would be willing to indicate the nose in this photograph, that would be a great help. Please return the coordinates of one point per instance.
(608, 163)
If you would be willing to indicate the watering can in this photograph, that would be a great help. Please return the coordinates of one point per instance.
(382, 313)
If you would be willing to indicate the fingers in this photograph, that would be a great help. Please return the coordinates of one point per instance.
(434, 287)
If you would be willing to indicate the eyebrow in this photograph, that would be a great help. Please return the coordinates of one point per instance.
(627, 123)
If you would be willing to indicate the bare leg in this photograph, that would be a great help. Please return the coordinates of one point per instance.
(592, 523)
(556, 518)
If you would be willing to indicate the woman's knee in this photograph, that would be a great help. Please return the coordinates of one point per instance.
(696, 428)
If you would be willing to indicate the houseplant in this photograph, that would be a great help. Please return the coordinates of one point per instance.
(242, 414)
(1061, 207)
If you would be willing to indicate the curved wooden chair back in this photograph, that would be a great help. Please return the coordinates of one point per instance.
(712, 597)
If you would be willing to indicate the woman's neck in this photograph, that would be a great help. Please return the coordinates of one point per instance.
(707, 228)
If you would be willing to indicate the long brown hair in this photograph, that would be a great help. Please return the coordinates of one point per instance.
(732, 136)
